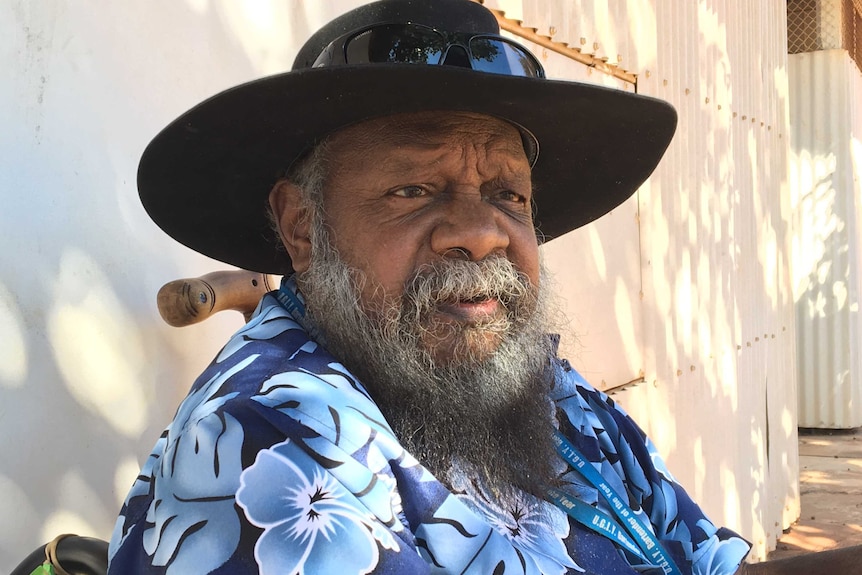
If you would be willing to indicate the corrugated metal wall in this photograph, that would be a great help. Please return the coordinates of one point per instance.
(826, 88)
(720, 326)
(691, 284)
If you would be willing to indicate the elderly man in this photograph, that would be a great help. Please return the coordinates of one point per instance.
(397, 406)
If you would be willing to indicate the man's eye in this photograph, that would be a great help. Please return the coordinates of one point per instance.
(409, 192)
(510, 196)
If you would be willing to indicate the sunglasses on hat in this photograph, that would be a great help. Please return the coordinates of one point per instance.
(418, 44)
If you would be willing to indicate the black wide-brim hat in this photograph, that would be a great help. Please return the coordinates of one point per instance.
(205, 179)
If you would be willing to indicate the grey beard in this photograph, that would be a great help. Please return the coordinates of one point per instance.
(490, 417)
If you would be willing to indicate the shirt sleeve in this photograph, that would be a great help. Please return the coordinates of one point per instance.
(234, 486)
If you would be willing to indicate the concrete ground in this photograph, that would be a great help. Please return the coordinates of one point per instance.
(830, 465)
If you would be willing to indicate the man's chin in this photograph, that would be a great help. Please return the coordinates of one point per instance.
(462, 347)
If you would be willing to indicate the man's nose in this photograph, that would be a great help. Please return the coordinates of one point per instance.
(471, 227)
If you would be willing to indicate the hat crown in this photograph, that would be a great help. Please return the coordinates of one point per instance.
(449, 15)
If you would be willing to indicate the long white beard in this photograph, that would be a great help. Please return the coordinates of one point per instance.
(490, 412)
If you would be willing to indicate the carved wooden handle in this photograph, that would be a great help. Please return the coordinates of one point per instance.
(191, 300)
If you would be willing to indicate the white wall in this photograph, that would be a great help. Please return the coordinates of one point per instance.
(89, 374)
(690, 274)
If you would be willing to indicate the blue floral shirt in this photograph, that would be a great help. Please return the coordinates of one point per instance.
(278, 461)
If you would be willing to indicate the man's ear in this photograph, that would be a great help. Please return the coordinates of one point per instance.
(293, 221)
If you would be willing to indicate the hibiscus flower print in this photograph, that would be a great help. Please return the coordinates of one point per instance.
(717, 555)
(536, 528)
(312, 523)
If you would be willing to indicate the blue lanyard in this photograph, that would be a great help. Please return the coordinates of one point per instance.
(642, 542)
(289, 297)
(595, 520)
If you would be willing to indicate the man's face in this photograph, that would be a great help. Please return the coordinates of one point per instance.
(405, 192)
(420, 268)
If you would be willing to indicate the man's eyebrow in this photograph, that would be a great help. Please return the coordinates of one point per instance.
(510, 179)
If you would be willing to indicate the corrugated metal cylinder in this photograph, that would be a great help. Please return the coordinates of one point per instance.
(826, 129)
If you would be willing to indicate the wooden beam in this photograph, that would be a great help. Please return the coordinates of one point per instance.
(517, 28)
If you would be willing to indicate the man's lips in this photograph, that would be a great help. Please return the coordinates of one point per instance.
(473, 311)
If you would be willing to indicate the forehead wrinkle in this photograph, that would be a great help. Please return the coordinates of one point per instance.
(426, 160)
(472, 159)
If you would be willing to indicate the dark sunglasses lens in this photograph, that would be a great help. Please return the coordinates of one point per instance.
(395, 43)
(501, 57)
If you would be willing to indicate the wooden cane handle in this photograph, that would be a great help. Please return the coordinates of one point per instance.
(191, 300)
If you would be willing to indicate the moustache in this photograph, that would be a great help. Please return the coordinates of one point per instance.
(451, 281)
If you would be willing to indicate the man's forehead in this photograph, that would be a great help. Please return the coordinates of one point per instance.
(430, 130)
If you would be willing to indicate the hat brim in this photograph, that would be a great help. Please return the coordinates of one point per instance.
(205, 179)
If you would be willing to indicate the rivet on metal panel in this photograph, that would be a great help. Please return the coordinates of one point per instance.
(748, 344)
(719, 106)
(769, 128)
(583, 41)
(761, 124)
(687, 91)
(738, 347)
(744, 118)
(692, 368)
(706, 100)
(752, 120)
(664, 83)
(646, 72)
(678, 372)
(734, 114)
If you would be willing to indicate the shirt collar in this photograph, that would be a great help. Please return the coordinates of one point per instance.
(292, 300)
